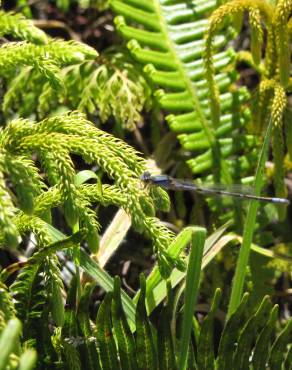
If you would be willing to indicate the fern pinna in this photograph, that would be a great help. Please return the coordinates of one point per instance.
(168, 38)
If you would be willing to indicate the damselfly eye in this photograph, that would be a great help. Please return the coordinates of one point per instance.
(145, 176)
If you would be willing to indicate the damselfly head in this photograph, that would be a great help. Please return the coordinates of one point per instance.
(146, 176)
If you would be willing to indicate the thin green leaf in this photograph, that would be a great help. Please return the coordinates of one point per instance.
(158, 293)
(83, 176)
(191, 292)
(288, 360)
(242, 262)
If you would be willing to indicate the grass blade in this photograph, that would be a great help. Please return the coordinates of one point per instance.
(239, 277)
(192, 286)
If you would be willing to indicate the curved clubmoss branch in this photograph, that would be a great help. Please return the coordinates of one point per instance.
(274, 69)
(38, 51)
(52, 142)
(216, 20)
(282, 15)
(17, 26)
(16, 54)
(110, 85)
(43, 74)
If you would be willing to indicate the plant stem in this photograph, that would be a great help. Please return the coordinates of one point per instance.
(238, 281)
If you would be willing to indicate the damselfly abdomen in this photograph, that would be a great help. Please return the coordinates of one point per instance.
(171, 183)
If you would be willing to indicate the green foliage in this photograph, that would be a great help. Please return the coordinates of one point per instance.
(247, 342)
(44, 140)
(191, 291)
(273, 71)
(15, 25)
(206, 357)
(146, 352)
(12, 354)
(117, 88)
(110, 86)
(65, 5)
(53, 139)
(168, 39)
(125, 341)
(17, 54)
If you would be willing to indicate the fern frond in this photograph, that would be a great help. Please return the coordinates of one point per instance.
(13, 55)
(168, 39)
(28, 79)
(67, 52)
(29, 294)
(39, 283)
(30, 223)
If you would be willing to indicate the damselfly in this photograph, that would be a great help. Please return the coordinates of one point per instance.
(168, 182)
